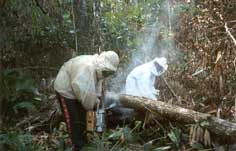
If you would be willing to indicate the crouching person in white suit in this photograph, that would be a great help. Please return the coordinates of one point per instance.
(141, 80)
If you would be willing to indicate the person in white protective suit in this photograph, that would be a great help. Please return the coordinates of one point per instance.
(76, 86)
(141, 80)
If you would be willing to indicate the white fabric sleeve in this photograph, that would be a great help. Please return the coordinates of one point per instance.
(131, 87)
(83, 85)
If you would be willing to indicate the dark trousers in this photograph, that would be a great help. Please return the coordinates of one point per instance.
(75, 117)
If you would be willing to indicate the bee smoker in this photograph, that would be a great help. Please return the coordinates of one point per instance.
(100, 120)
(96, 119)
(100, 112)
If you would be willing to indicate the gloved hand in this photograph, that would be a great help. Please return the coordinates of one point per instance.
(111, 99)
(98, 101)
(157, 92)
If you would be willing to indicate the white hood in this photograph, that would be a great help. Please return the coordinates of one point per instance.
(107, 61)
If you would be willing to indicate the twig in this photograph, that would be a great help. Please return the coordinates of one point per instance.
(234, 64)
(232, 21)
(74, 26)
(40, 7)
(51, 118)
(169, 18)
(171, 90)
(230, 34)
(181, 44)
(117, 144)
(235, 108)
(34, 68)
(28, 121)
(33, 127)
(198, 72)
(159, 124)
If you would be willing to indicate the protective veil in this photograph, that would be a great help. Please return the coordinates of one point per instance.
(77, 78)
(141, 80)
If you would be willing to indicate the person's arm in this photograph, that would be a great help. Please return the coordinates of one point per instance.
(83, 84)
(130, 86)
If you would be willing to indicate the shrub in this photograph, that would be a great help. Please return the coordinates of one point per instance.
(19, 94)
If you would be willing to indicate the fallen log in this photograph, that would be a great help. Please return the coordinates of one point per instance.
(220, 127)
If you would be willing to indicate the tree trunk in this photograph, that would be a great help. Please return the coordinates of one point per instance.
(2, 3)
(1, 114)
(85, 26)
(2, 38)
(174, 113)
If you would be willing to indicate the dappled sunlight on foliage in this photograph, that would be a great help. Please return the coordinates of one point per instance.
(37, 36)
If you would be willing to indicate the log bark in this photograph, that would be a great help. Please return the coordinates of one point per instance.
(215, 125)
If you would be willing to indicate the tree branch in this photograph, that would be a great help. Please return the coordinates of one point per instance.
(40, 7)
(230, 34)
(171, 90)
(35, 68)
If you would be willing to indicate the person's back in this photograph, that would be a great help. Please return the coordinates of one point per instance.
(140, 71)
(62, 82)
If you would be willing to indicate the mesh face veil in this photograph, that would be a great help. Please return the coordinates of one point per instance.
(162, 62)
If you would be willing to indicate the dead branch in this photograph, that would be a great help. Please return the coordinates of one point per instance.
(35, 68)
(171, 90)
(230, 34)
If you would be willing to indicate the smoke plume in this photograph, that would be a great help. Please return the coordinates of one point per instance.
(156, 41)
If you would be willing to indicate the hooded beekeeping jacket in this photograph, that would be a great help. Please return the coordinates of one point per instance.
(77, 78)
(141, 80)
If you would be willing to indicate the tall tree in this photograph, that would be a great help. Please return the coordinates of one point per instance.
(85, 26)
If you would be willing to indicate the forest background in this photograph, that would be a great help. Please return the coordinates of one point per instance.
(38, 36)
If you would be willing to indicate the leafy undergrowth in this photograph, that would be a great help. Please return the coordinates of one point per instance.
(34, 132)
(14, 140)
(148, 136)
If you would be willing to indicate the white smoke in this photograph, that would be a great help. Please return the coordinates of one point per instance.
(157, 41)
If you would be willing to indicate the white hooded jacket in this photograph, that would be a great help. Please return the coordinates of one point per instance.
(141, 80)
(77, 78)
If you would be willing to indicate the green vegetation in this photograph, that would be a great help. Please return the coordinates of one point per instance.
(37, 36)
